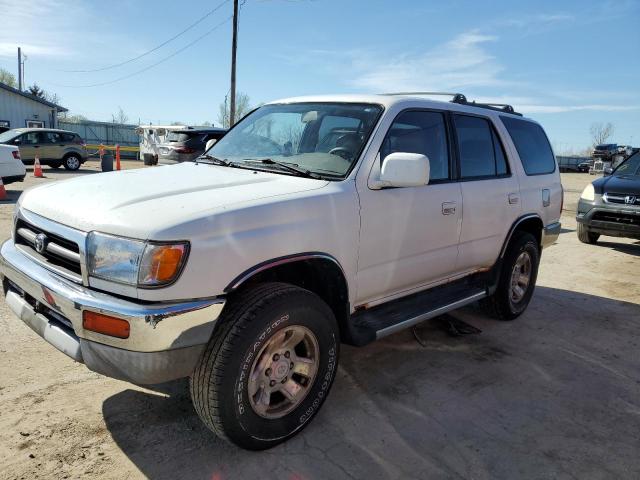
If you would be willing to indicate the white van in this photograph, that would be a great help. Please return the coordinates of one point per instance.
(151, 136)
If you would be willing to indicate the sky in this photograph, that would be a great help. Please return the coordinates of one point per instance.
(567, 64)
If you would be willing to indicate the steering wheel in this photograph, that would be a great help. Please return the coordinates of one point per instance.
(342, 152)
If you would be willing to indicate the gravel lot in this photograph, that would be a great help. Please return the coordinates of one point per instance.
(555, 394)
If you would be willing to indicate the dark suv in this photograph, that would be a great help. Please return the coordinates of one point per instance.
(53, 147)
(605, 151)
(611, 205)
(186, 145)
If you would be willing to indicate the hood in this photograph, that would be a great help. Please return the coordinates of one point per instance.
(138, 202)
(625, 184)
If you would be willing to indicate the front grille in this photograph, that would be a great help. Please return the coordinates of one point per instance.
(59, 253)
(620, 218)
(622, 198)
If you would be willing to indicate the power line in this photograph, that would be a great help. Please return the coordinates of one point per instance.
(205, 16)
(208, 32)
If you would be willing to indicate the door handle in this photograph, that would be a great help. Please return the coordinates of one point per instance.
(448, 208)
(514, 198)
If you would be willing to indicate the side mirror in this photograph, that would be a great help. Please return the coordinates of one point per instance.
(210, 143)
(401, 169)
(607, 171)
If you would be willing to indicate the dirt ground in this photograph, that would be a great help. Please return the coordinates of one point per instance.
(554, 394)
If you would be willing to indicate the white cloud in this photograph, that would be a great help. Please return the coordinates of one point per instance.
(43, 28)
(458, 63)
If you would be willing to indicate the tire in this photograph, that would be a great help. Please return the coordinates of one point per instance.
(508, 303)
(585, 236)
(241, 352)
(72, 162)
(55, 165)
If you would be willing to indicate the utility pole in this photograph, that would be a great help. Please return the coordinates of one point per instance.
(234, 47)
(19, 69)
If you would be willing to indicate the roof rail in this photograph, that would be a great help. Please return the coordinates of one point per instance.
(460, 99)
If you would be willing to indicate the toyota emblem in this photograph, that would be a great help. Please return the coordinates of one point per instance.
(41, 242)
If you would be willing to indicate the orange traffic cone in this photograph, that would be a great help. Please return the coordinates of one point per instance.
(3, 191)
(37, 169)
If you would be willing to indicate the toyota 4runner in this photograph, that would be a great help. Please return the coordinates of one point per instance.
(315, 221)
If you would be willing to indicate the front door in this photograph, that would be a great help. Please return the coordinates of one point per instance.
(409, 236)
(29, 145)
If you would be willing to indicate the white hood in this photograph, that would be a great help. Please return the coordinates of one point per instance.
(138, 202)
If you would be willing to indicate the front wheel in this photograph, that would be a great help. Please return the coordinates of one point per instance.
(268, 367)
(585, 236)
(517, 278)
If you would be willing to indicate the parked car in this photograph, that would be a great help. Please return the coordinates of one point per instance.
(54, 148)
(584, 167)
(11, 167)
(605, 151)
(186, 145)
(610, 205)
(313, 222)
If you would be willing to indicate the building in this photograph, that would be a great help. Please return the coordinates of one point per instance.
(21, 109)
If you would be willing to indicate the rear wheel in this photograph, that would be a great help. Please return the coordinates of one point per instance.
(72, 162)
(517, 278)
(268, 367)
(585, 236)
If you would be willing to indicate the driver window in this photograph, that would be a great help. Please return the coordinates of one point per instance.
(420, 132)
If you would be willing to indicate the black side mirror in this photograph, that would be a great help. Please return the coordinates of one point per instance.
(607, 171)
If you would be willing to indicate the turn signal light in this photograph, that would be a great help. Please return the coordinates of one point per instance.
(161, 263)
(100, 323)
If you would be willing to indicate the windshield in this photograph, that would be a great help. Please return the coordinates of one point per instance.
(630, 167)
(8, 136)
(322, 138)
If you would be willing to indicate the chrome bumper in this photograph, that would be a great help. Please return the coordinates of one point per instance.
(165, 339)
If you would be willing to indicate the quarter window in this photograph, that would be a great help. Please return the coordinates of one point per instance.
(532, 145)
(481, 153)
(420, 132)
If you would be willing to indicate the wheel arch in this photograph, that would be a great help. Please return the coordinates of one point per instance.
(318, 272)
(531, 223)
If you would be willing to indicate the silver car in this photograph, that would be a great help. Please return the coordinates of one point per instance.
(186, 145)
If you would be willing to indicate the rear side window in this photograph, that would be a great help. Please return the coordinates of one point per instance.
(68, 137)
(532, 145)
(481, 153)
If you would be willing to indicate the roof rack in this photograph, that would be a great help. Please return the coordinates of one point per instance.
(460, 99)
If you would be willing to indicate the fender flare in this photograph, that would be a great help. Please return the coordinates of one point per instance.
(514, 227)
(276, 262)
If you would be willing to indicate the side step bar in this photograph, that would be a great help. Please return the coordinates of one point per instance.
(410, 322)
(368, 325)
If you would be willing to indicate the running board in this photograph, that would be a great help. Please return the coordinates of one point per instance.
(377, 322)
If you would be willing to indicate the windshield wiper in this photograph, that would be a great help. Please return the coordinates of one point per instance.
(301, 172)
(214, 160)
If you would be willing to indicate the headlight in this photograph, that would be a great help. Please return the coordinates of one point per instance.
(588, 193)
(134, 262)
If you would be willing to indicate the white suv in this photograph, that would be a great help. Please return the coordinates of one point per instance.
(315, 221)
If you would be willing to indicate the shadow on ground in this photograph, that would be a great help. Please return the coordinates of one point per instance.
(630, 248)
(553, 394)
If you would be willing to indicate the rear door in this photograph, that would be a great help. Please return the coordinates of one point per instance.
(490, 191)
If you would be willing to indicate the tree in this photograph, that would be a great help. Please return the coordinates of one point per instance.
(242, 108)
(71, 118)
(40, 93)
(8, 78)
(36, 91)
(120, 116)
(601, 132)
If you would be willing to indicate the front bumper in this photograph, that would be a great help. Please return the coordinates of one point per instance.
(613, 220)
(165, 341)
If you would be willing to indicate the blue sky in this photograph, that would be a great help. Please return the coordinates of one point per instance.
(566, 64)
